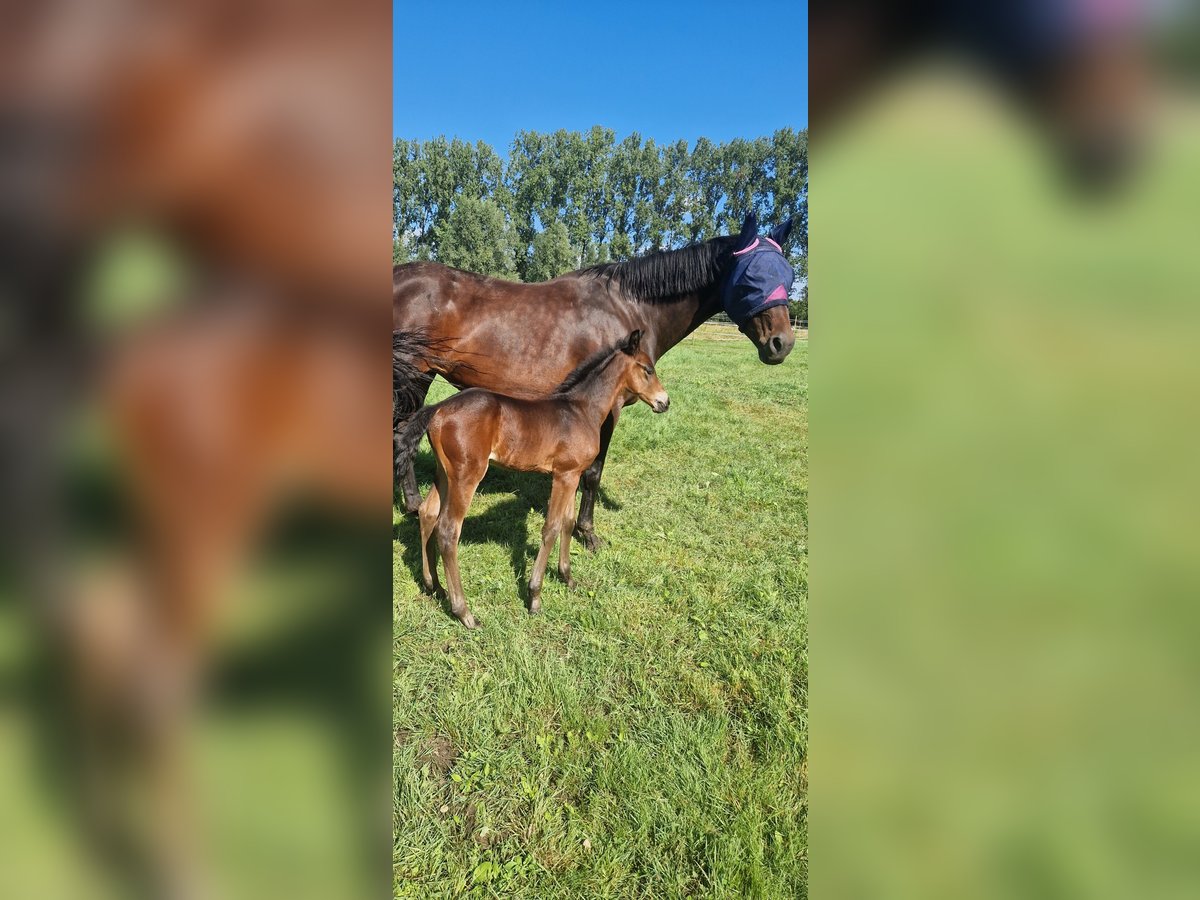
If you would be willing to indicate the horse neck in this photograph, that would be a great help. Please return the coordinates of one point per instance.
(597, 394)
(673, 320)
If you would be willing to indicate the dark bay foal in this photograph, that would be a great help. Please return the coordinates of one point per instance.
(558, 434)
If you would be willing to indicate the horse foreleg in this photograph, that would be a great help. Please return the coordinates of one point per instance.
(562, 497)
(585, 531)
(565, 527)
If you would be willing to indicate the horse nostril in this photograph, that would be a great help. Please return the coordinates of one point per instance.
(776, 344)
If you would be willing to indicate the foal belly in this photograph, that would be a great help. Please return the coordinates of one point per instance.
(524, 459)
(545, 456)
(542, 436)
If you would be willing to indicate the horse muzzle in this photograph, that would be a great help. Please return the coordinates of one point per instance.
(661, 404)
(776, 348)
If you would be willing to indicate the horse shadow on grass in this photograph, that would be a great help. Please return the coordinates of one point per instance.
(503, 523)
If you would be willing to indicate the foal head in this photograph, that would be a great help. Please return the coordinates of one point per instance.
(639, 376)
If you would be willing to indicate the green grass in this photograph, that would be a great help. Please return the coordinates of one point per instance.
(646, 735)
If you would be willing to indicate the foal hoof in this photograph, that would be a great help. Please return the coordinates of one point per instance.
(569, 582)
(468, 621)
(535, 605)
(589, 540)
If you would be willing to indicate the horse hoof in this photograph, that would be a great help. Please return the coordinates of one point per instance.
(535, 605)
(569, 582)
(589, 540)
(468, 621)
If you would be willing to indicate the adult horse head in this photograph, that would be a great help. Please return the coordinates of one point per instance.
(756, 290)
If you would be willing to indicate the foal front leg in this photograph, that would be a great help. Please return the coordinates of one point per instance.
(564, 536)
(562, 498)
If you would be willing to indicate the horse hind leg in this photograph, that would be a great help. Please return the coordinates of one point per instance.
(409, 388)
(455, 503)
(412, 493)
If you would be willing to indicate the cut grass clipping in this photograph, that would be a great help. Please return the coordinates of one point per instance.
(646, 735)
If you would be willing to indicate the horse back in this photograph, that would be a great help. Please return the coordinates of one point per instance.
(504, 336)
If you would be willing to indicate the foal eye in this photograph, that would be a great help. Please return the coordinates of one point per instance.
(648, 370)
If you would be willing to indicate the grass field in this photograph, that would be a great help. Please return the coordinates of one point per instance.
(646, 735)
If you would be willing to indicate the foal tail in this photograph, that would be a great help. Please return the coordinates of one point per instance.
(408, 436)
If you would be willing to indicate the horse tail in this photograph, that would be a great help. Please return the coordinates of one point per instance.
(416, 358)
(412, 368)
(413, 346)
(406, 438)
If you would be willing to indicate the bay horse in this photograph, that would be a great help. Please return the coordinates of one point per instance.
(558, 435)
(524, 338)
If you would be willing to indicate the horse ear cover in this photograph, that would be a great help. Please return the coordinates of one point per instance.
(780, 234)
(748, 233)
(633, 342)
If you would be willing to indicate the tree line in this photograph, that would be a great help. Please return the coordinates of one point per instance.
(566, 199)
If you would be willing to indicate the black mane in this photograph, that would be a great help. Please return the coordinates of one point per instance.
(586, 369)
(668, 273)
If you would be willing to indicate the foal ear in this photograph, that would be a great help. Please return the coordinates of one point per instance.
(780, 234)
(633, 342)
(748, 233)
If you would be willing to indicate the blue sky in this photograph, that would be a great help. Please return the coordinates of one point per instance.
(669, 70)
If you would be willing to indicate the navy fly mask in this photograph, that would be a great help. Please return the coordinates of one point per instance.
(761, 277)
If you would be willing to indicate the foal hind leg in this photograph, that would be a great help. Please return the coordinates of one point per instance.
(562, 497)
(429, 516)
(460, 488)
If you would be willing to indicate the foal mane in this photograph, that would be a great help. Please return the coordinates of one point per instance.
(668, 273)
(590, 366)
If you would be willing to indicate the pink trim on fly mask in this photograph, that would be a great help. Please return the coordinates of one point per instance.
(780, 293)
(775, 245)
(748, 249)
